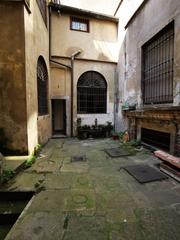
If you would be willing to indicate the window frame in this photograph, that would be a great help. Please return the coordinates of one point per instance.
(161, 80)
(87, 90)
(79, 20)
(43, 108)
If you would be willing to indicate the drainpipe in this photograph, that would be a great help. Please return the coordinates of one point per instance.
(72, 86)
(71, 67)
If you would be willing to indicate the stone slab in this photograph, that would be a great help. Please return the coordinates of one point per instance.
(144, 173)
(117, 152)
(175, 161)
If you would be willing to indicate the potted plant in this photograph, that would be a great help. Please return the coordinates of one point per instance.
(83, 131)
(115, 136)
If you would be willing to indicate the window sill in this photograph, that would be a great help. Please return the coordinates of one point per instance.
(159, 107)
(77, 30)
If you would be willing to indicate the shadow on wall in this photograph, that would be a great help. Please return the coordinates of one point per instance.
(5, 143)
(107, 51)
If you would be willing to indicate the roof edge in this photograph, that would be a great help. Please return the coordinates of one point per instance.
(136, 13)
(118, 6)
(82, 12)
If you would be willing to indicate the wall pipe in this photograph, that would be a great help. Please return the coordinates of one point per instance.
(71, 67)
(72, 87)
(61, 64)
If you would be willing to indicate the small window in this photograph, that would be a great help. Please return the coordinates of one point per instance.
(79, 24)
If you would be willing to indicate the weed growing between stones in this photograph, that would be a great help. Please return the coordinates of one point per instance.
(7, 175)
(32, 158)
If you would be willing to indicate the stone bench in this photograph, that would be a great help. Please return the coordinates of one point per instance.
(166, 157)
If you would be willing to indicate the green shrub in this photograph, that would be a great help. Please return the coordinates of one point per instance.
(29, 162)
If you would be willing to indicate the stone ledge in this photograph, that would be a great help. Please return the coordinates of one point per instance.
(175, 161)
(164, 115)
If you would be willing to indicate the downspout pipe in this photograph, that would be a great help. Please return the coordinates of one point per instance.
(71, 67)
(60, 64)
(75, 54)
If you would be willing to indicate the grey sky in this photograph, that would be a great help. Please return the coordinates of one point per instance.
(103, 6)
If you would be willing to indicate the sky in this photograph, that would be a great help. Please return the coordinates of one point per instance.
(102, 6)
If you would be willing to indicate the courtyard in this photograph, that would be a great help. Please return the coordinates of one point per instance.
(93, 197)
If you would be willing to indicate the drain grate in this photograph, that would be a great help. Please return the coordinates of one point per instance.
(117, 152)
(144, 173)
(78, 158)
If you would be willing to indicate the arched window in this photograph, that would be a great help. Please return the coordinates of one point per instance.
(42, 85)
(91, 93)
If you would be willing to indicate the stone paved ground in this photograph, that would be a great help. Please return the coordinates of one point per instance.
(94, 199)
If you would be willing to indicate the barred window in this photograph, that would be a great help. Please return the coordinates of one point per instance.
(158, 60)
(79, 24)
(42, 86)
(91, 93)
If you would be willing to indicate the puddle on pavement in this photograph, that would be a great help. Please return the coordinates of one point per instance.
(11, 206)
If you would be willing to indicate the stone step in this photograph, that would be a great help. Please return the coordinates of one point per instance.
(172, 172)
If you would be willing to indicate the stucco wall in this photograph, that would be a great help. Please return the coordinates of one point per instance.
(108, 71)
(61, 82)
(12, 76)
(61, 89)
(149, 21)
(100, 43)
(36, 44)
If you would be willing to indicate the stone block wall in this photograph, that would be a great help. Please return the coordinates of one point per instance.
(159, 120)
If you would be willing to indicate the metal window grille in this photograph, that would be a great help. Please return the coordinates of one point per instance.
(42, 8)
(79, 24)
(158, 59)
(91, 93)
(42, 83)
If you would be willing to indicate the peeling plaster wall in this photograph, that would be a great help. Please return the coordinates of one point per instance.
(149, 21)
(36, 44)
(12, 76)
